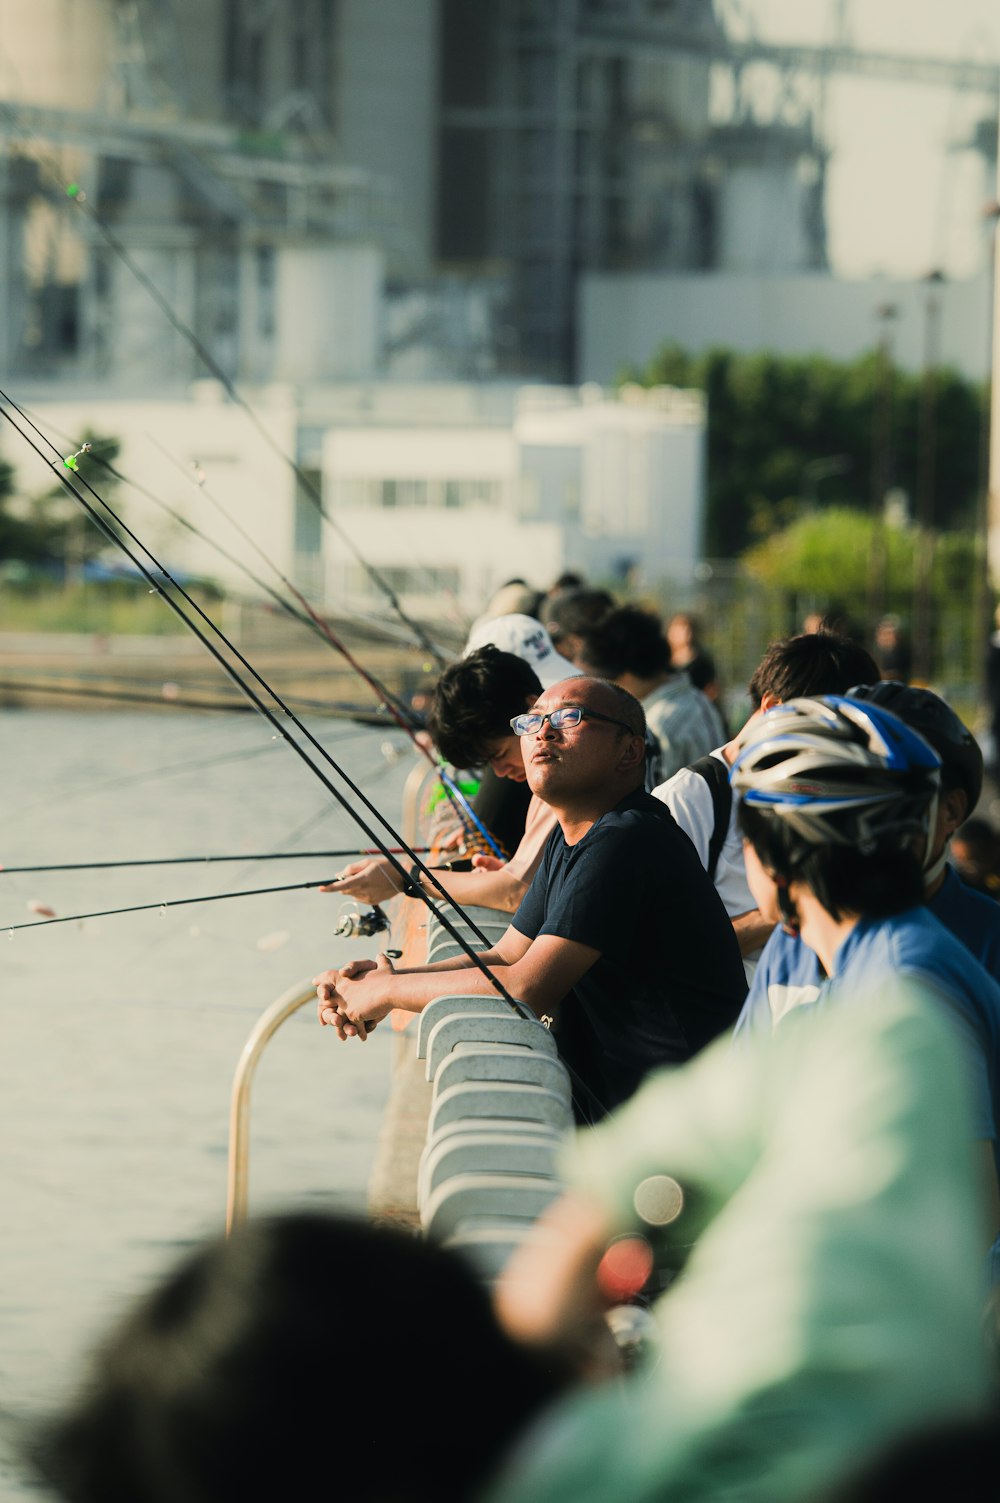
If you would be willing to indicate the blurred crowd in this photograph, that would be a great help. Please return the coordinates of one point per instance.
(768, 946)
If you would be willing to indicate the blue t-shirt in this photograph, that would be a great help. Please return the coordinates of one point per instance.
(915, 943)
(668, 977)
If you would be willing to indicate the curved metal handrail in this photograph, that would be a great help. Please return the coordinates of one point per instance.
(262, 1032)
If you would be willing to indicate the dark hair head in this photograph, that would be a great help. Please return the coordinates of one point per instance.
(877, 885)
(475, 701)
(569, 580)
(571, 612)
(926, 712)
(811, 664)
(218, 1388)
(627, 640)
(979, 835)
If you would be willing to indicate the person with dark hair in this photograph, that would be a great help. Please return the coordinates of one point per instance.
(700, 797)
(801, 667)
(568, 580)
(789, 973)
(621, 934)
(208, 1390)
(892, 649)
(688, 654)
(839, 807)
(975, 850)
(628, 647)
(469, 723)
(569, 613)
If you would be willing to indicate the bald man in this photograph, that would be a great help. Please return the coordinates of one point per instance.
(621, 935)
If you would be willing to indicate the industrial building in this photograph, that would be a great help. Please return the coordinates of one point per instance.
(385, 197)
(394, 186)
(451, 488)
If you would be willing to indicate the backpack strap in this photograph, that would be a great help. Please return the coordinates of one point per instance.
(716, 775)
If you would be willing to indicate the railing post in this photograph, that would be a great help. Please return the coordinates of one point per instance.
(263, 1031)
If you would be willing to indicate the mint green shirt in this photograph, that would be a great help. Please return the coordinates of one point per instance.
(831, 1301)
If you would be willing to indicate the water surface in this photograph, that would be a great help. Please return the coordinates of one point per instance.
(119, 1036)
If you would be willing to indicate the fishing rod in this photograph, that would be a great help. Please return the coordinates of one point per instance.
(372, 623)
(84, 689)
(216, 897)
(94, 866)
(79, 198)
(402, 716)
(319, 625)
(130, 696)
(117, 534)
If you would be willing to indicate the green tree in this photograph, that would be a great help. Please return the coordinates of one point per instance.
(71, 533)
(52, 528)
(825, 557)
(775, 422)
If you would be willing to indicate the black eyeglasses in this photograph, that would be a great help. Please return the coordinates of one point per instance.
(563, 719)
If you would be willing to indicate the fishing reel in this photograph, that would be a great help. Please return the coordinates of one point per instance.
(360, 923)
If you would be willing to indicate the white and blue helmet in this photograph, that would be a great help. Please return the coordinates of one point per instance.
(837, 771)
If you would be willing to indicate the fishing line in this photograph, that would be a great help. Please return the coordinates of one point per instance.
(376, 623)
(158, 587)
(94, 866)
(209, 360)
(217, 897)
(130, 696)
(319, 625)
(195, 764)
(74, 193)
(85, 688)
(403, 717)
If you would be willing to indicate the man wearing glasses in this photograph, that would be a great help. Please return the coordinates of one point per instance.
(621, 935)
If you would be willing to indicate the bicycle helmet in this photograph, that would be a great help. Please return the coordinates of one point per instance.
(927, 713)
(837, 771)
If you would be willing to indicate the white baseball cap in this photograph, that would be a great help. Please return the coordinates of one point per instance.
(526, 638)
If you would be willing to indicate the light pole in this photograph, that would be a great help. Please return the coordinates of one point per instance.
(926, 456)
(882, 466)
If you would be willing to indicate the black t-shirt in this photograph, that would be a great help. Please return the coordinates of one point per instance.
(669, 977)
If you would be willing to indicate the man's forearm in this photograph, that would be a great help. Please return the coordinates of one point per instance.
(460, 963)
(752, 931)
(412, 990)
(496, 889)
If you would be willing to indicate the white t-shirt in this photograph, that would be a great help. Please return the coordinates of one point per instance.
(689, 799)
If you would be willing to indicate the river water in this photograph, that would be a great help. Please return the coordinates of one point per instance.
(119, 1036)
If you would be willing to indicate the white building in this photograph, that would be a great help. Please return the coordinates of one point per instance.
(446, 489)
(453, 504)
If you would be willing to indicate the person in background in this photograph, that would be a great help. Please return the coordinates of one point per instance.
(628, 647)
(700, 797)
(515, 597)
(993, 695)
(469, 723)
(570, 613)
(568, 580)
(975, 850)
(892, 650)
(689, 654)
